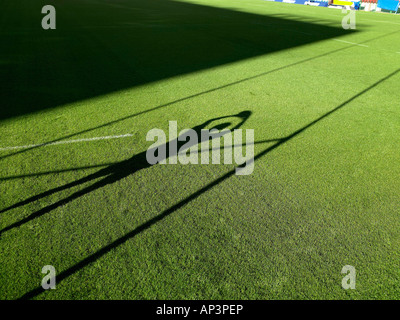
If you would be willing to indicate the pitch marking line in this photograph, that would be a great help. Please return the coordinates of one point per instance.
(356, 44)
(66, 142)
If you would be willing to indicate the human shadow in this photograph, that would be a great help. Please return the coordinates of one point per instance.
(103, 47)
(120, 170)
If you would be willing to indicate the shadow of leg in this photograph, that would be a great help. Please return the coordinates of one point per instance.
(57, 189)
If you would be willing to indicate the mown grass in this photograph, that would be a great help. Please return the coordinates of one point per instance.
(324, 197)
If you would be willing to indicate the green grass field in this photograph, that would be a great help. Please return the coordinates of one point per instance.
(324, 193)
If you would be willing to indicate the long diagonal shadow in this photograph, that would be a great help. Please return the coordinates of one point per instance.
(43, 173)
(117, 171)
(168, 104)
(98, 254)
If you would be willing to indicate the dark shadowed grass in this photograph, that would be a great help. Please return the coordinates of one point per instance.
(101, 47)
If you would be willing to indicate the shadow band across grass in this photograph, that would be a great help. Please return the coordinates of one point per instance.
(194, 96)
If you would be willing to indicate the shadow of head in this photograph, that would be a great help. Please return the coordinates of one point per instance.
(221, 126)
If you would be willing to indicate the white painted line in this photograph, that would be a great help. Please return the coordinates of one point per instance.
(66, 142)
(356, 44)
(390, 22)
